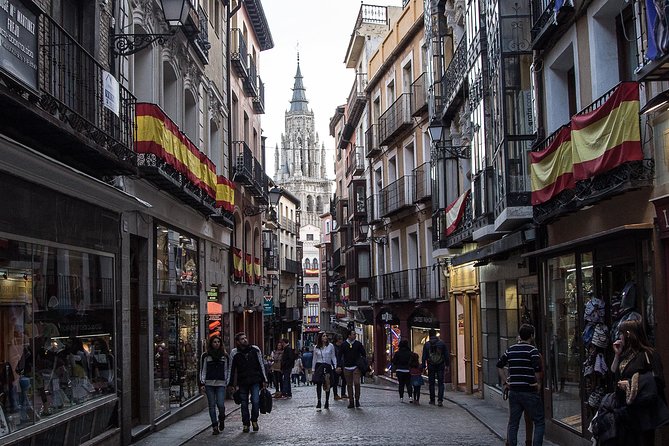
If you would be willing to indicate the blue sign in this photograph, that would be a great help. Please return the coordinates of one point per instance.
(268, 306)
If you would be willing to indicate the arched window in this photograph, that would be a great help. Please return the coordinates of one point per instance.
(314, 290)
(315, 263)
(307, 264)
(307, 289)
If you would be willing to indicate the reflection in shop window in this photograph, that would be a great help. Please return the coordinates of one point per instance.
(176, 262)
(56, 327)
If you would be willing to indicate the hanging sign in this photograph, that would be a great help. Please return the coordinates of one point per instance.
(18, 42)
(110, 98)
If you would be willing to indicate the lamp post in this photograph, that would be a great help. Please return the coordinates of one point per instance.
(365, 228)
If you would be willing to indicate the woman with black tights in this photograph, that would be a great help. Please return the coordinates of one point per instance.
(325, 361)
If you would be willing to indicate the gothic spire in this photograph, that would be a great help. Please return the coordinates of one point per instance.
(299, 101)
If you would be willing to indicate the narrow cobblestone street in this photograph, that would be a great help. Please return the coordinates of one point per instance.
(382, 420)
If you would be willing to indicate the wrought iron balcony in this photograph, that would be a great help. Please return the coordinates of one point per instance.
(259, 100)
(462, 233)
(250, 82)
(239, 54)
(357, 99)
(454, 79)
(201, 39)
(398, 195)
(373, 209)
(395, 120)
(423, 182)
(419, 95)
(356, 161)
(65, 118)
(244, 163)
(409, 285)
(292, 266)
(513, 205)
(373, 147)
(547, 22)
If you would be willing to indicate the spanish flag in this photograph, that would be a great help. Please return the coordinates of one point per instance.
(608, 136)
(455, 211)
(157, 134)
(237, 264)
(225, 194)
(258, 270)
(249, 268)
(551, 170)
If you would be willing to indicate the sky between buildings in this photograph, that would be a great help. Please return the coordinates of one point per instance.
(320, 30)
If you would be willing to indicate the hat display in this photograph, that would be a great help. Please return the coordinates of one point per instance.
(595, 310)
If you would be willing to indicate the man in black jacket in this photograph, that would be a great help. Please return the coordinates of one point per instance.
(247, 371)
(352, 352)
(436, 358)
(287, 363)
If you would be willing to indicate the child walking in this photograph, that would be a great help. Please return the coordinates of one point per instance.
(416, 373)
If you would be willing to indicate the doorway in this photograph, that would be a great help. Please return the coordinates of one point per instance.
(467, 369)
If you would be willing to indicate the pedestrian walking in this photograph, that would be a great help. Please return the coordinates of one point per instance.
(277, 375)
(353, 356)
(247, 373)
(416, 373)
(437, 362)
(522, 380)
(339, 379)
(287, 363)
(307, 362)
(296, 372)
(325, 362)
(214, 366)
(400, 362)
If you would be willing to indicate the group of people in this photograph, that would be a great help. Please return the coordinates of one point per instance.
(630, 414)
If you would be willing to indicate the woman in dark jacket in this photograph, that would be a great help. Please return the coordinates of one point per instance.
(639, 386)
(214, 379)
(401, 367)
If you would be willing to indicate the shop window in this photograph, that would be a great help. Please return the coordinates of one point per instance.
(176, 262)
(57, 331)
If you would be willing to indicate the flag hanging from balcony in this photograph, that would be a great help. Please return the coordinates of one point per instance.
(257, 270)
(249, 269)
(609, 135)
(225, 194)
(237, 264)
(551, 169)
(157, 134)
(455, 211)
(560, 3)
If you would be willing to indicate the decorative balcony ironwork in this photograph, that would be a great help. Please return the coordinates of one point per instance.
(357, 99)
(423, 182)
(422, 284)
(244, 163)
(419, 95)
(78, 129)
(259, 100)
(398, 195)
(201, 40)
(373, 147)
(239, 54)
(546, 21)
(250, 83)
(454, 79)
(462, 233)
(396, 119)
(356, 161)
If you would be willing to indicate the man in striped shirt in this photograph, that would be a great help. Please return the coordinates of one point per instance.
(522, 380)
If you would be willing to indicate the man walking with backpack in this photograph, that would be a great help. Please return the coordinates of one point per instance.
(435, 357)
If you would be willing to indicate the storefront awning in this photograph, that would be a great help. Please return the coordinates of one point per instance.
(609, 233)
(507, 243)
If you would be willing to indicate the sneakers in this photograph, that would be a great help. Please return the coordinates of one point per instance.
(216, 431)
(402, 400)
(246, 429)
(255, 426)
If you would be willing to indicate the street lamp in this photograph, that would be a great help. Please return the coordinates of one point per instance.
(176, 13)
(436, 131)
(364, 229)
(443, 144)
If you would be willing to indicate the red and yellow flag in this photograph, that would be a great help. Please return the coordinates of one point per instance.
(157, 134)
(249, 268)
(257, 270)
(552, 169)
(225, 194)
(237, 264)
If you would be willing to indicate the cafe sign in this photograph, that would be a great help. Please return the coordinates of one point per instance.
(18, 42)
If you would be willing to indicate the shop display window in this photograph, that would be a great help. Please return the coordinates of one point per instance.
(56, 331)
(176, 262)
(393, 336)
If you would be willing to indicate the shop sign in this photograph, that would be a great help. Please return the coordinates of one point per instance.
(386, 316)
(528, 285)
(212, 293)
(268, 306)
(18, 42)
(463, 277)
(662, 211)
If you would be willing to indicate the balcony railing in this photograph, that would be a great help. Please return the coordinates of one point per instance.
(462, 232)
(373, 147)
(357, 99)
(250, 83)
(356, 161)
(239, 54)
(71, 81)
(546, 21)
(373, 208)
(410, 284)
(398, 195)
(244, 163)
(419, 95)
(292, 266)
(201, 40)
(259, 100)
(372, 14)
(455, 78)
(397, 119)
(423, 182)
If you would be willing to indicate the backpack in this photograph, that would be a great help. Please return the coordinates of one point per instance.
(436, 355)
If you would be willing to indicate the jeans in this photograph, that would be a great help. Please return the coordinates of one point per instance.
(404, 379)
(216, 398)
(437, 373)
(286, 389)
(531, 403)
(254, 391)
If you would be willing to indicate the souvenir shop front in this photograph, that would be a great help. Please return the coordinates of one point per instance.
(588, 289)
